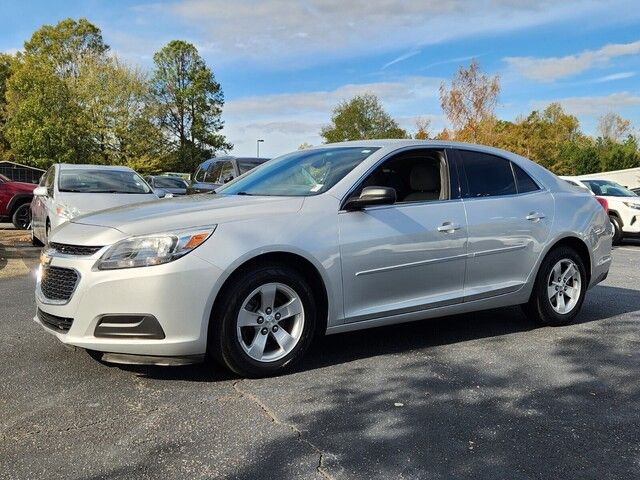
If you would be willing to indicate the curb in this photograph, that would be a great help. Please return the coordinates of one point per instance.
(20, 252)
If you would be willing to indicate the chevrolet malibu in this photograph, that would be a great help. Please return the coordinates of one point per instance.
(326, 240)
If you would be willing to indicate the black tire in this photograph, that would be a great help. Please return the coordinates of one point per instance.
(539, 307)
(21, 217)
(223, 344)
(617, 229)
(34, 240)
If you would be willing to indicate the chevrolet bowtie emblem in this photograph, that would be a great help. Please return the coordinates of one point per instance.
(45, 259)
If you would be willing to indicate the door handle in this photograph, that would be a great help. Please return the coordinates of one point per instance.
(448, 227)
(535, 216)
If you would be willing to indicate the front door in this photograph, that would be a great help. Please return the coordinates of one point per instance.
(409, 256)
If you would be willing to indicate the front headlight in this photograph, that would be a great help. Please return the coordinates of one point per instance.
(635, 206)
(65, 211)
(155, 249)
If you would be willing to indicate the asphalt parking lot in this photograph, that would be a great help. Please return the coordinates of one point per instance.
(486, 395)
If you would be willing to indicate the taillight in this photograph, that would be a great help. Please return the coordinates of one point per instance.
(604, 203)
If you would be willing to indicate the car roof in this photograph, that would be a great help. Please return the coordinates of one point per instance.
(78, 166)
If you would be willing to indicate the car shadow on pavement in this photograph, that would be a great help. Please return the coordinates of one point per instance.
(601, 303)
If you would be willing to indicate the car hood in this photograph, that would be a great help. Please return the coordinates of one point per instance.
(22, 186)
(191, 211)
(87, 203)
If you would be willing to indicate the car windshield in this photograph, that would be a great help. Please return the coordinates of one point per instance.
(608, 188)
(101, 181)
(299, 174)
(169, 182)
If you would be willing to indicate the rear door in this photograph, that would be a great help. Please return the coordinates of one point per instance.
(509, 217)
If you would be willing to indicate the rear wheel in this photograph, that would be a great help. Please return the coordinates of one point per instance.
(34, 240)
(264, 323)
(21, 217)
(559, 289)
(617, 229)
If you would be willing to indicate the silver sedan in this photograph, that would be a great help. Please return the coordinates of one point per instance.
(326, 240)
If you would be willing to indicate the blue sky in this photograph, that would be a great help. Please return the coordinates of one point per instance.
(284, 64)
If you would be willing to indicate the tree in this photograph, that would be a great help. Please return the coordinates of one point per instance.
(304, 146)
(423, 129)
(45, 117)
(613, 127)
(190, 104)
(6, 62)
(361, 118)
(469, 101)
(66, 45)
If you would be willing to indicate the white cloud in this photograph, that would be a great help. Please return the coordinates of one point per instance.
(401, 58)
(593, 106)
(614, 76)
(553, 68)
(272, 31)
(287, 120)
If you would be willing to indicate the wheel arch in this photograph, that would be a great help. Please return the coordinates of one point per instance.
(306, 267)
(17, 200)
(575, 243)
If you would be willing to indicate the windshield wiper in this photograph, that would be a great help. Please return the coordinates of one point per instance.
(244, 193)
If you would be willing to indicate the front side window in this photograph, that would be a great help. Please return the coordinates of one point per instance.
(101, 181)
(213, 172)
(487, 175)
(417, 176)
(226, 172)
(299, 174)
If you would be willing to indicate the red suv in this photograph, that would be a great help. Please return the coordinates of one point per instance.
(15, 202)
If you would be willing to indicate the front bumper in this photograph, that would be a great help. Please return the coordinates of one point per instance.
(179, 295)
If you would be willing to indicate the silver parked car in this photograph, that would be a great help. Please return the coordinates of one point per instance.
(326, 240)
(66, 191)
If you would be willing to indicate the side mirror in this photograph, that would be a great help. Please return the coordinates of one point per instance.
(160, 192)
(40, 192)
(372, 196)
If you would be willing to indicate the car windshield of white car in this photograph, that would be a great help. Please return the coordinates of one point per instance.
(608, 189)
(101, 181)
(299, 174)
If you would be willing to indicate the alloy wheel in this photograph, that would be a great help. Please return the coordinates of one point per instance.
(270, 322)
(564, 286)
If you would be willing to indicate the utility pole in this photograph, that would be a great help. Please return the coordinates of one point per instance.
(258, 142)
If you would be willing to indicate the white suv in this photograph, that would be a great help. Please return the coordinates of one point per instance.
(622, 203)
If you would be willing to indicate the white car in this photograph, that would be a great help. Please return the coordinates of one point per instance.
(67, 191)
(325, 240)
(623, 205)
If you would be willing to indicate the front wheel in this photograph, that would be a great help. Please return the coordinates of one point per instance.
(264, 322)
(21, 217)
(617, 229)
(559, 289)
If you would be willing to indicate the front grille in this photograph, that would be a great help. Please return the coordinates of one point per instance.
(67, 249)
(61, 324)
(58, 283)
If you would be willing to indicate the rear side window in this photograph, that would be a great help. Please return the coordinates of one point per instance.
(524, 182)
(487, 175)
(244, 166)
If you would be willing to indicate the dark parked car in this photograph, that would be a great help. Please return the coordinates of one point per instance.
(171, 184)
(219, 170)
(15, 201)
